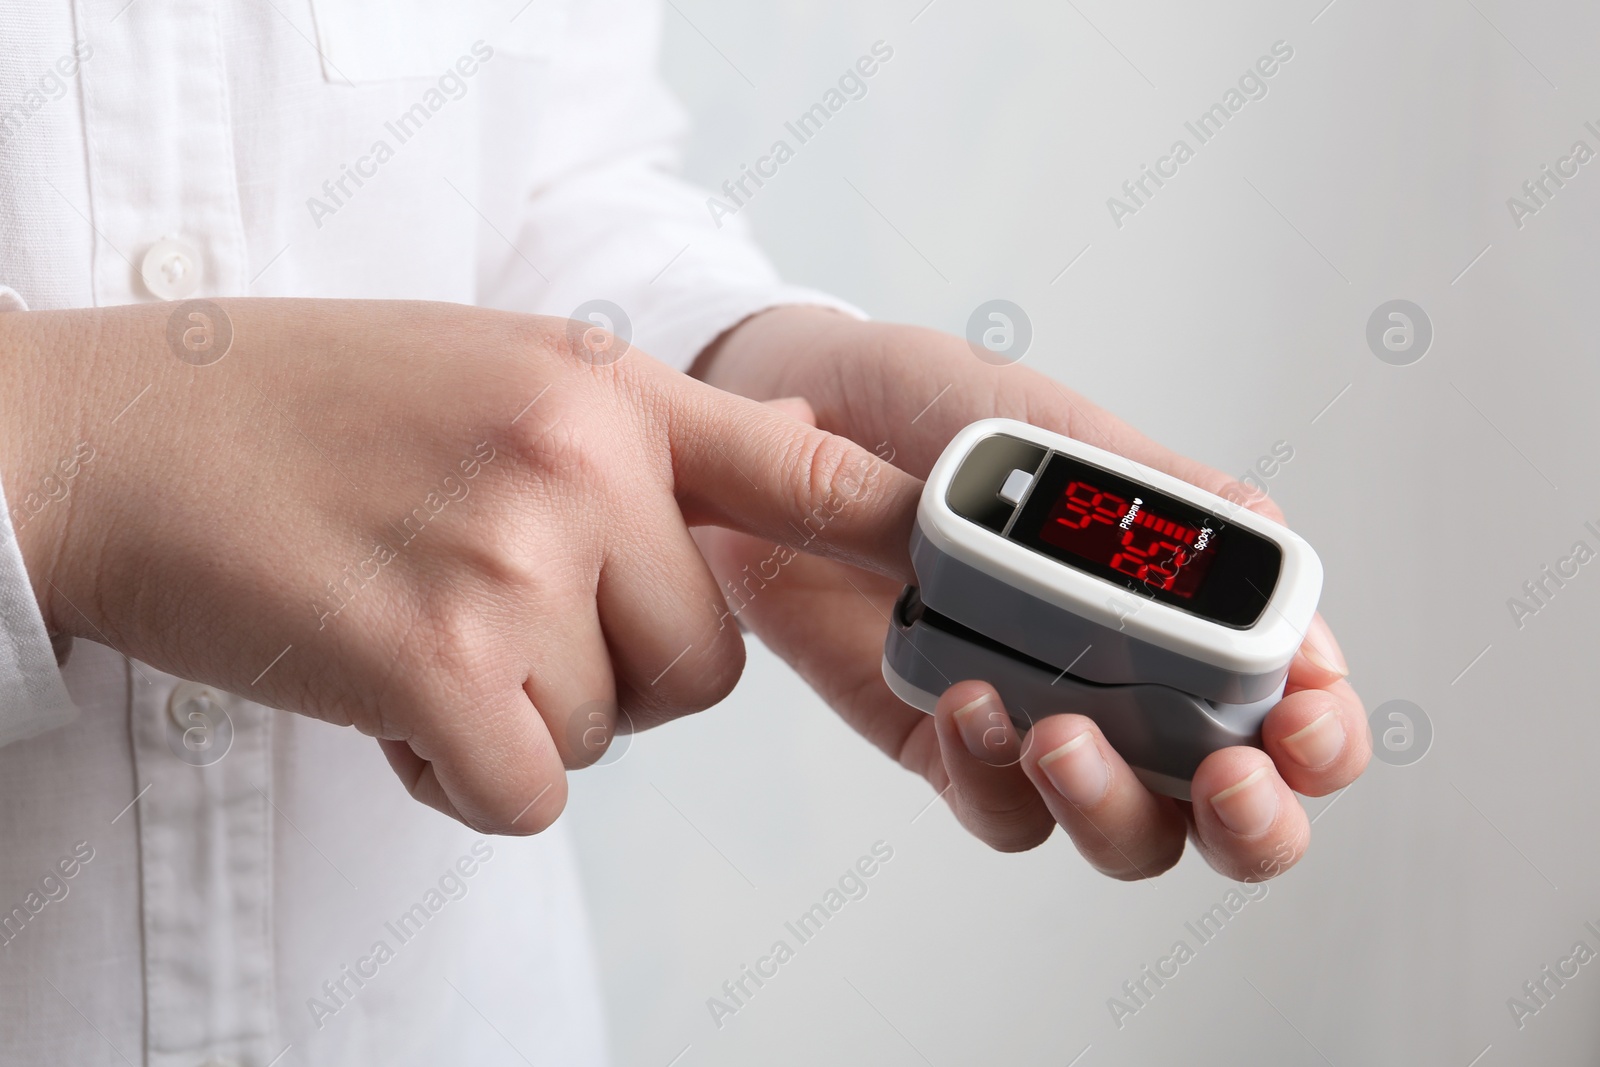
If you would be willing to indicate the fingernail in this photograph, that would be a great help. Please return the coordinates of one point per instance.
(1318, 744)
(985, 729)
(1320, 648)
(1249, 806)
(1077, 770)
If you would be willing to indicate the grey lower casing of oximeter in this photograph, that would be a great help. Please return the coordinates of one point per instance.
(1095, 652)
(1163, 733)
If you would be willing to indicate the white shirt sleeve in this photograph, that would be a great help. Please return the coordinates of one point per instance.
(33, 697)
(610, 218)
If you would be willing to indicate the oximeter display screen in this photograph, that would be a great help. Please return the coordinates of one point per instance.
(1148, 542)
(1131, 536)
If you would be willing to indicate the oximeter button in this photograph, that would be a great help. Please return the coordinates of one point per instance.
(1016, 487)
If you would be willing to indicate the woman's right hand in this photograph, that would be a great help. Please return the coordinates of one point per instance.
(463, 532)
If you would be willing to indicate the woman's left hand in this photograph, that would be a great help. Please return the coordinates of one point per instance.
(903, 392)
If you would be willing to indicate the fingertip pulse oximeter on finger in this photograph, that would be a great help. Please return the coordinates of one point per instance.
(1073, 579)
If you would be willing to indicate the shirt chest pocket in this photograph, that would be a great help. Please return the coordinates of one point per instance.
(364, 41)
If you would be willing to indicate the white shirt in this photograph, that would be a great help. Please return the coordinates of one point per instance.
(186, 877)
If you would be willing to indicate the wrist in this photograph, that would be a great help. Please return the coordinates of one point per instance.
(33, 498)
(51, 441)
(759, 357)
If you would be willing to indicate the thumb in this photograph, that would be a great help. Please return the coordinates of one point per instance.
(763, 469)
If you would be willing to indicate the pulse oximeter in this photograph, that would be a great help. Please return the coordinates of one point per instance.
(1073, 579)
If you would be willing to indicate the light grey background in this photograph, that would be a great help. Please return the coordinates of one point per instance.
(1227, 315)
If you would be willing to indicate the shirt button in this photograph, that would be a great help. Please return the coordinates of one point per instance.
(201, 732)
(193, 703)
(171, 269)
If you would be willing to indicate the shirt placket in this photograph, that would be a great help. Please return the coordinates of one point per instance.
(163, 196)
(164, 207)
(203, 759)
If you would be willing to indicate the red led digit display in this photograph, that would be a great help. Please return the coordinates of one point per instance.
(1163, 547)
(1129, 537)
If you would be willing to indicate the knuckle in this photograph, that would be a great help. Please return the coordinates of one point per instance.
(1120, 866)
(547, 334)
(453, 640)
(703, 679)
(589, 731)
(510, 562)
(825, 471)
(576, 341)
(540, 817)
(580, 341)
(454, 654)
(554, 440)
(724, 667)
(583, 449)
(512, 820)
(1019, 825)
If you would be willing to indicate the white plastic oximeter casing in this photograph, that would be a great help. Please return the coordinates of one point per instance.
(1073, 579)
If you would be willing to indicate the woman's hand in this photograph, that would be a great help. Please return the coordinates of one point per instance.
(903, 392)
(464, 532)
